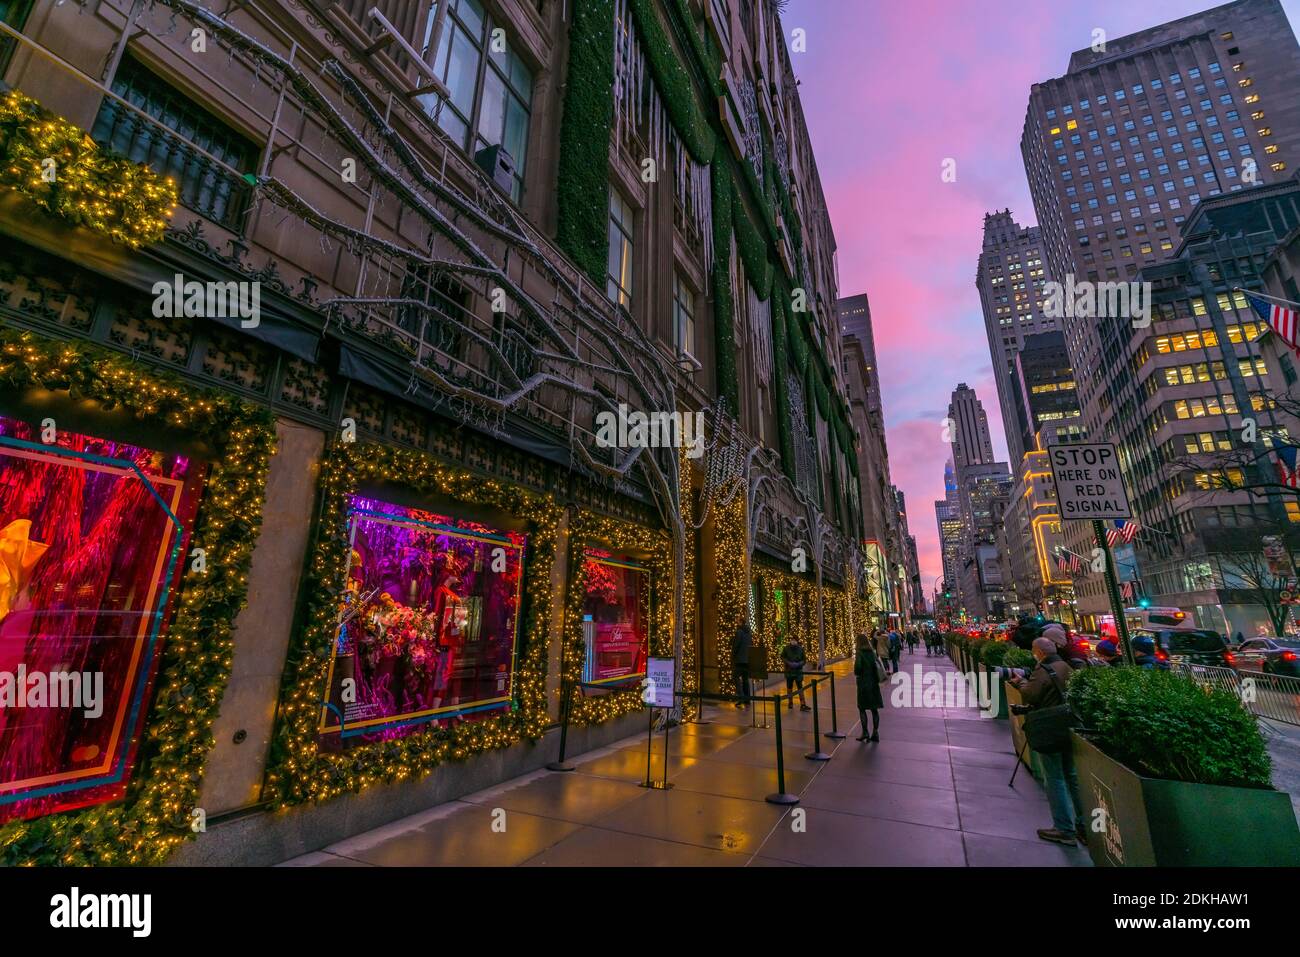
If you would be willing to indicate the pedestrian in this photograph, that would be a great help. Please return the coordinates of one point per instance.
(911, 641)
(1066, 650)
(1108, 653)
(740, 647)
(1144, 654)
(866, 670)
(880, 638)
(1045, 688)
(895, 650)
(794, 657)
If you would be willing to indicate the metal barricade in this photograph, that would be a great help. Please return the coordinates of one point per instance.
(1272, 697)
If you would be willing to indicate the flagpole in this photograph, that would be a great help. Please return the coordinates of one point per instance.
(1284, 303)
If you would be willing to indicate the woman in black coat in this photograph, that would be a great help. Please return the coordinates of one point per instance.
(866, 669)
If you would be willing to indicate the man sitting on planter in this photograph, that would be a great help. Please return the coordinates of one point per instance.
(1045, 688)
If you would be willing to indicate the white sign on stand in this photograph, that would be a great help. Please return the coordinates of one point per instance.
(1088, 482)
(659, 685)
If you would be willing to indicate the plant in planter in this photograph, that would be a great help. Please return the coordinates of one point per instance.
(1173, 773)
(993, 656)
(1015, 657)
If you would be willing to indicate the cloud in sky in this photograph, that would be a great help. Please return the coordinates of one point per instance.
(891, 91)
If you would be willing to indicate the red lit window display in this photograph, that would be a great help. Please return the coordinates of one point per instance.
(93, 539)
(615, 619)
(428, 625)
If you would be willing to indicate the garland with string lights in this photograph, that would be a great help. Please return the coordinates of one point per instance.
(59, 167)
(690, 659)
(730, 560)
(299, 770)
(588, 529)
(154, 818)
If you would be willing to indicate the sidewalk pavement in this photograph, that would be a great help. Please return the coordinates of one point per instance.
(932, 792)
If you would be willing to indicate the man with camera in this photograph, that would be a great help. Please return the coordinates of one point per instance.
(1047, 727)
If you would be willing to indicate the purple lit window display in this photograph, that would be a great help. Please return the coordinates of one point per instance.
(615, 619)
(428, 626)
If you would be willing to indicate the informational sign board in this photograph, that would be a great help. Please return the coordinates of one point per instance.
(659, 683)
(1088, 482)
(757, 662)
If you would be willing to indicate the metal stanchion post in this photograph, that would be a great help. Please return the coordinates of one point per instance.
(816, 754)
(834, 733)
(780, 797)
(565, 707)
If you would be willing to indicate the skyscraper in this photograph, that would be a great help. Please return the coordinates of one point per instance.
(1010, 277)
(969, 426)
(1121, 148)
(1120, 153)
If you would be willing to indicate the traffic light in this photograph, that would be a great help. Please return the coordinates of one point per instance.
(1144, 602)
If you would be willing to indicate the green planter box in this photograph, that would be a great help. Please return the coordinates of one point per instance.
(1153, 822)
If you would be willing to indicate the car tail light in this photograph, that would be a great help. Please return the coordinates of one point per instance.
(1288, 656)
(1229, 657)
(1162, 656)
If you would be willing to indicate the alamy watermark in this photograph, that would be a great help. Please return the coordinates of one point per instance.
(954, 689)
(1098, 300)
(633, 429)
(23, 689)
(209, 300)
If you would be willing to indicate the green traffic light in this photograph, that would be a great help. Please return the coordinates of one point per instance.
(1144, 602)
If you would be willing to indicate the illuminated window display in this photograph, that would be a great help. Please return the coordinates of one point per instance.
(93, 539)
(428, 625)
(615, 619)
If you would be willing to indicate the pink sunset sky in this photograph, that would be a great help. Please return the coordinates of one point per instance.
(892, 88)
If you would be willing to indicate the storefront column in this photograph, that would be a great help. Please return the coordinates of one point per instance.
(559, 599)
(232, 776)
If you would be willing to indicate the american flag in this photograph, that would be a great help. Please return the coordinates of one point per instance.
(1287, 472)
(1125, 532)
(1076, 564)
(1283, 321)
(1126, 591)
(1062, 563)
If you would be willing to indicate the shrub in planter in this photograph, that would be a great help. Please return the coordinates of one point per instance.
(1179, 771)
(975, 650)
(1164, 725)
(1015, 657)
(995, 652)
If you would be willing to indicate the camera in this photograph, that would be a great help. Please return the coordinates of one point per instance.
(1007, 674)
(1020, 709)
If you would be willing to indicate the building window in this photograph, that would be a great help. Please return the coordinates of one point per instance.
(14, 13)
(491, 89)
(683, 318)
(619, 286)
(208, 188)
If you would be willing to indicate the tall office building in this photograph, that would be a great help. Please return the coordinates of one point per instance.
(1120, 152)
(1121, 148)
(1044, 396)
(971, 444)
(1010, 277)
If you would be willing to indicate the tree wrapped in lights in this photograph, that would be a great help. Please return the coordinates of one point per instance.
(60, 168)
(155, 816)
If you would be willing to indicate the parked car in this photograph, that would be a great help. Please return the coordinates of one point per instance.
(1194, 646)
(1274, 656)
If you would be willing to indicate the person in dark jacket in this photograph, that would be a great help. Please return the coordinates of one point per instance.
(1045, 688)
(794, 657)
(868, 677)
(1108, 653)
(895, 650)
(740, 646)
(1144, 654)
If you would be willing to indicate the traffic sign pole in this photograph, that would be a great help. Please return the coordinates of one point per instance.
(1112, 586)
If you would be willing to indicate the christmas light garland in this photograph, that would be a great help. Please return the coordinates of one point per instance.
(61, 169)
(155, 816)
(649, 545)
(299, 770)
